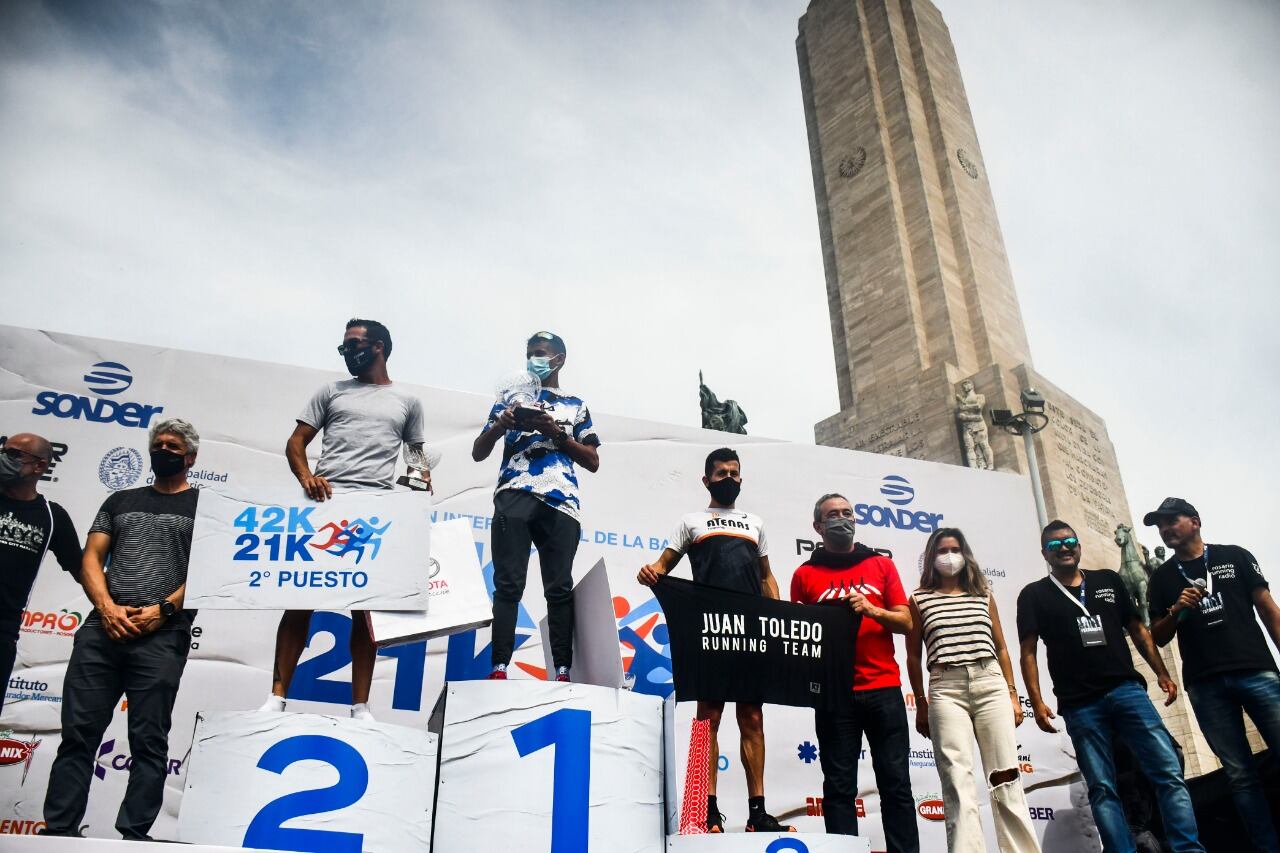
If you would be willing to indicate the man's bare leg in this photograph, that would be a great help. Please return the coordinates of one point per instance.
(291, 639)
(364, 652)
(751, 729)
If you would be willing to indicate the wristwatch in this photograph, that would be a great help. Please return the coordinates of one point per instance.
(559, 439)
(167, 608)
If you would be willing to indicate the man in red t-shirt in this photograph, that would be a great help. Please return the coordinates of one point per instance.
(843, 570)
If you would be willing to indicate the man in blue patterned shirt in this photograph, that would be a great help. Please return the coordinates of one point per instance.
(536, 503)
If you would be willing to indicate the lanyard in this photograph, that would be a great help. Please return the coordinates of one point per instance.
(1078, 602)
(47, 542)
(1208, 575)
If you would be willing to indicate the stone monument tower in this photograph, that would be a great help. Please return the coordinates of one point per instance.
(924, 317)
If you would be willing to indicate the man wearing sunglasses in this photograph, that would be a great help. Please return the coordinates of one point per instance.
(1207, 595)
(1082, 618)
(30, 527)
(366, 420)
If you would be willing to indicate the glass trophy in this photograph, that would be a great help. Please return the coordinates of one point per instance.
(420, 462)
(521, 390)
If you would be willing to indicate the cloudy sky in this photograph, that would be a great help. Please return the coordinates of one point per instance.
(241, 177)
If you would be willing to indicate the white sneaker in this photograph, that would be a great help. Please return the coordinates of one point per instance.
(274, 704)
(361, 712)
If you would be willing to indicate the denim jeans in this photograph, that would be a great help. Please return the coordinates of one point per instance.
(882, 716)
(1218, 701)
(1126, 712)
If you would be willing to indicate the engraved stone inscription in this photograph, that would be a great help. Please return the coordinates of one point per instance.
(1087, 479)
(901, 436)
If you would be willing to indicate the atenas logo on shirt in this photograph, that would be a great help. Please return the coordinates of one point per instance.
(105, 379)
(897, 490)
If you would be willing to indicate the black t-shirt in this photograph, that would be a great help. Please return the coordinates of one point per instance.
(24, 533)
(1234, 645)
(1081, 674)
(150, 545)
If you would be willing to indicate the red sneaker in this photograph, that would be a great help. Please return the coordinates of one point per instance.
(499, 674)
(562, 673)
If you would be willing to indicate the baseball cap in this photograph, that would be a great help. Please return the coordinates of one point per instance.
(1169, 506)
(550, 337)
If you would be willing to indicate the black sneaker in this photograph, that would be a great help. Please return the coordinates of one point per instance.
(765, 822)
(715, 823)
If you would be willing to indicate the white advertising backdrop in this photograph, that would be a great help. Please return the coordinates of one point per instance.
(650, 474)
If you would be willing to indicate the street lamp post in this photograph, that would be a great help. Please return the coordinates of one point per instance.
(1027, 423)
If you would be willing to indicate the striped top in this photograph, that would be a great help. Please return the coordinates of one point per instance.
(150, 544)
(956, 628)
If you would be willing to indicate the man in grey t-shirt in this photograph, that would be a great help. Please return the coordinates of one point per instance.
(365, 421)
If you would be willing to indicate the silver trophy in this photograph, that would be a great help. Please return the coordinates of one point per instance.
(420, 461)
(521, 390)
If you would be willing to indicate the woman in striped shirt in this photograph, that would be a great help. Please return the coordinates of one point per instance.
(971, 695)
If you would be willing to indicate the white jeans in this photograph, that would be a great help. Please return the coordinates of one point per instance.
(968, 702)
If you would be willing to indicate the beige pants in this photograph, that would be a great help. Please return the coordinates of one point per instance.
(968, 702)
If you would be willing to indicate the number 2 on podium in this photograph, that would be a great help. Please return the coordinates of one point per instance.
(569, 731)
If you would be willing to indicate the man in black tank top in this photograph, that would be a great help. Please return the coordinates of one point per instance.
(726, 549)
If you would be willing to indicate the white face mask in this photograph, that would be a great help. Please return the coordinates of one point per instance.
(949, 564)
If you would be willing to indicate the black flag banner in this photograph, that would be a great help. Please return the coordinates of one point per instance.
(731, 646)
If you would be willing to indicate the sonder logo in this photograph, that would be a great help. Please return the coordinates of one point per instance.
(108, 378)
(105, 379)
(898, 491)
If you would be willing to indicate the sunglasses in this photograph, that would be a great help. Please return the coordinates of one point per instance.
(1058, 544)
(15, 453)
(351, 345)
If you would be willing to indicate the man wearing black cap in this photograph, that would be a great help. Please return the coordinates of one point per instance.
(536, 502)
(1206, 595)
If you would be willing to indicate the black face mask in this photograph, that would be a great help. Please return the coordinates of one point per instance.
(358, 361)
(10, 470)
(166, 463)
(724, 492)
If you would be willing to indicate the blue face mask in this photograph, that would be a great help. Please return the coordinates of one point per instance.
(540, 366)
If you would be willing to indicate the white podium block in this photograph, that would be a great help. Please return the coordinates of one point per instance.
(543, 767)
(340, 785)
(768, 842)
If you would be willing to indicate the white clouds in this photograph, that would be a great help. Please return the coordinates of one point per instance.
(242, 178)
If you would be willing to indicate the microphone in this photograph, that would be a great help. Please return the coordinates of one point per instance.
(1200, 584)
